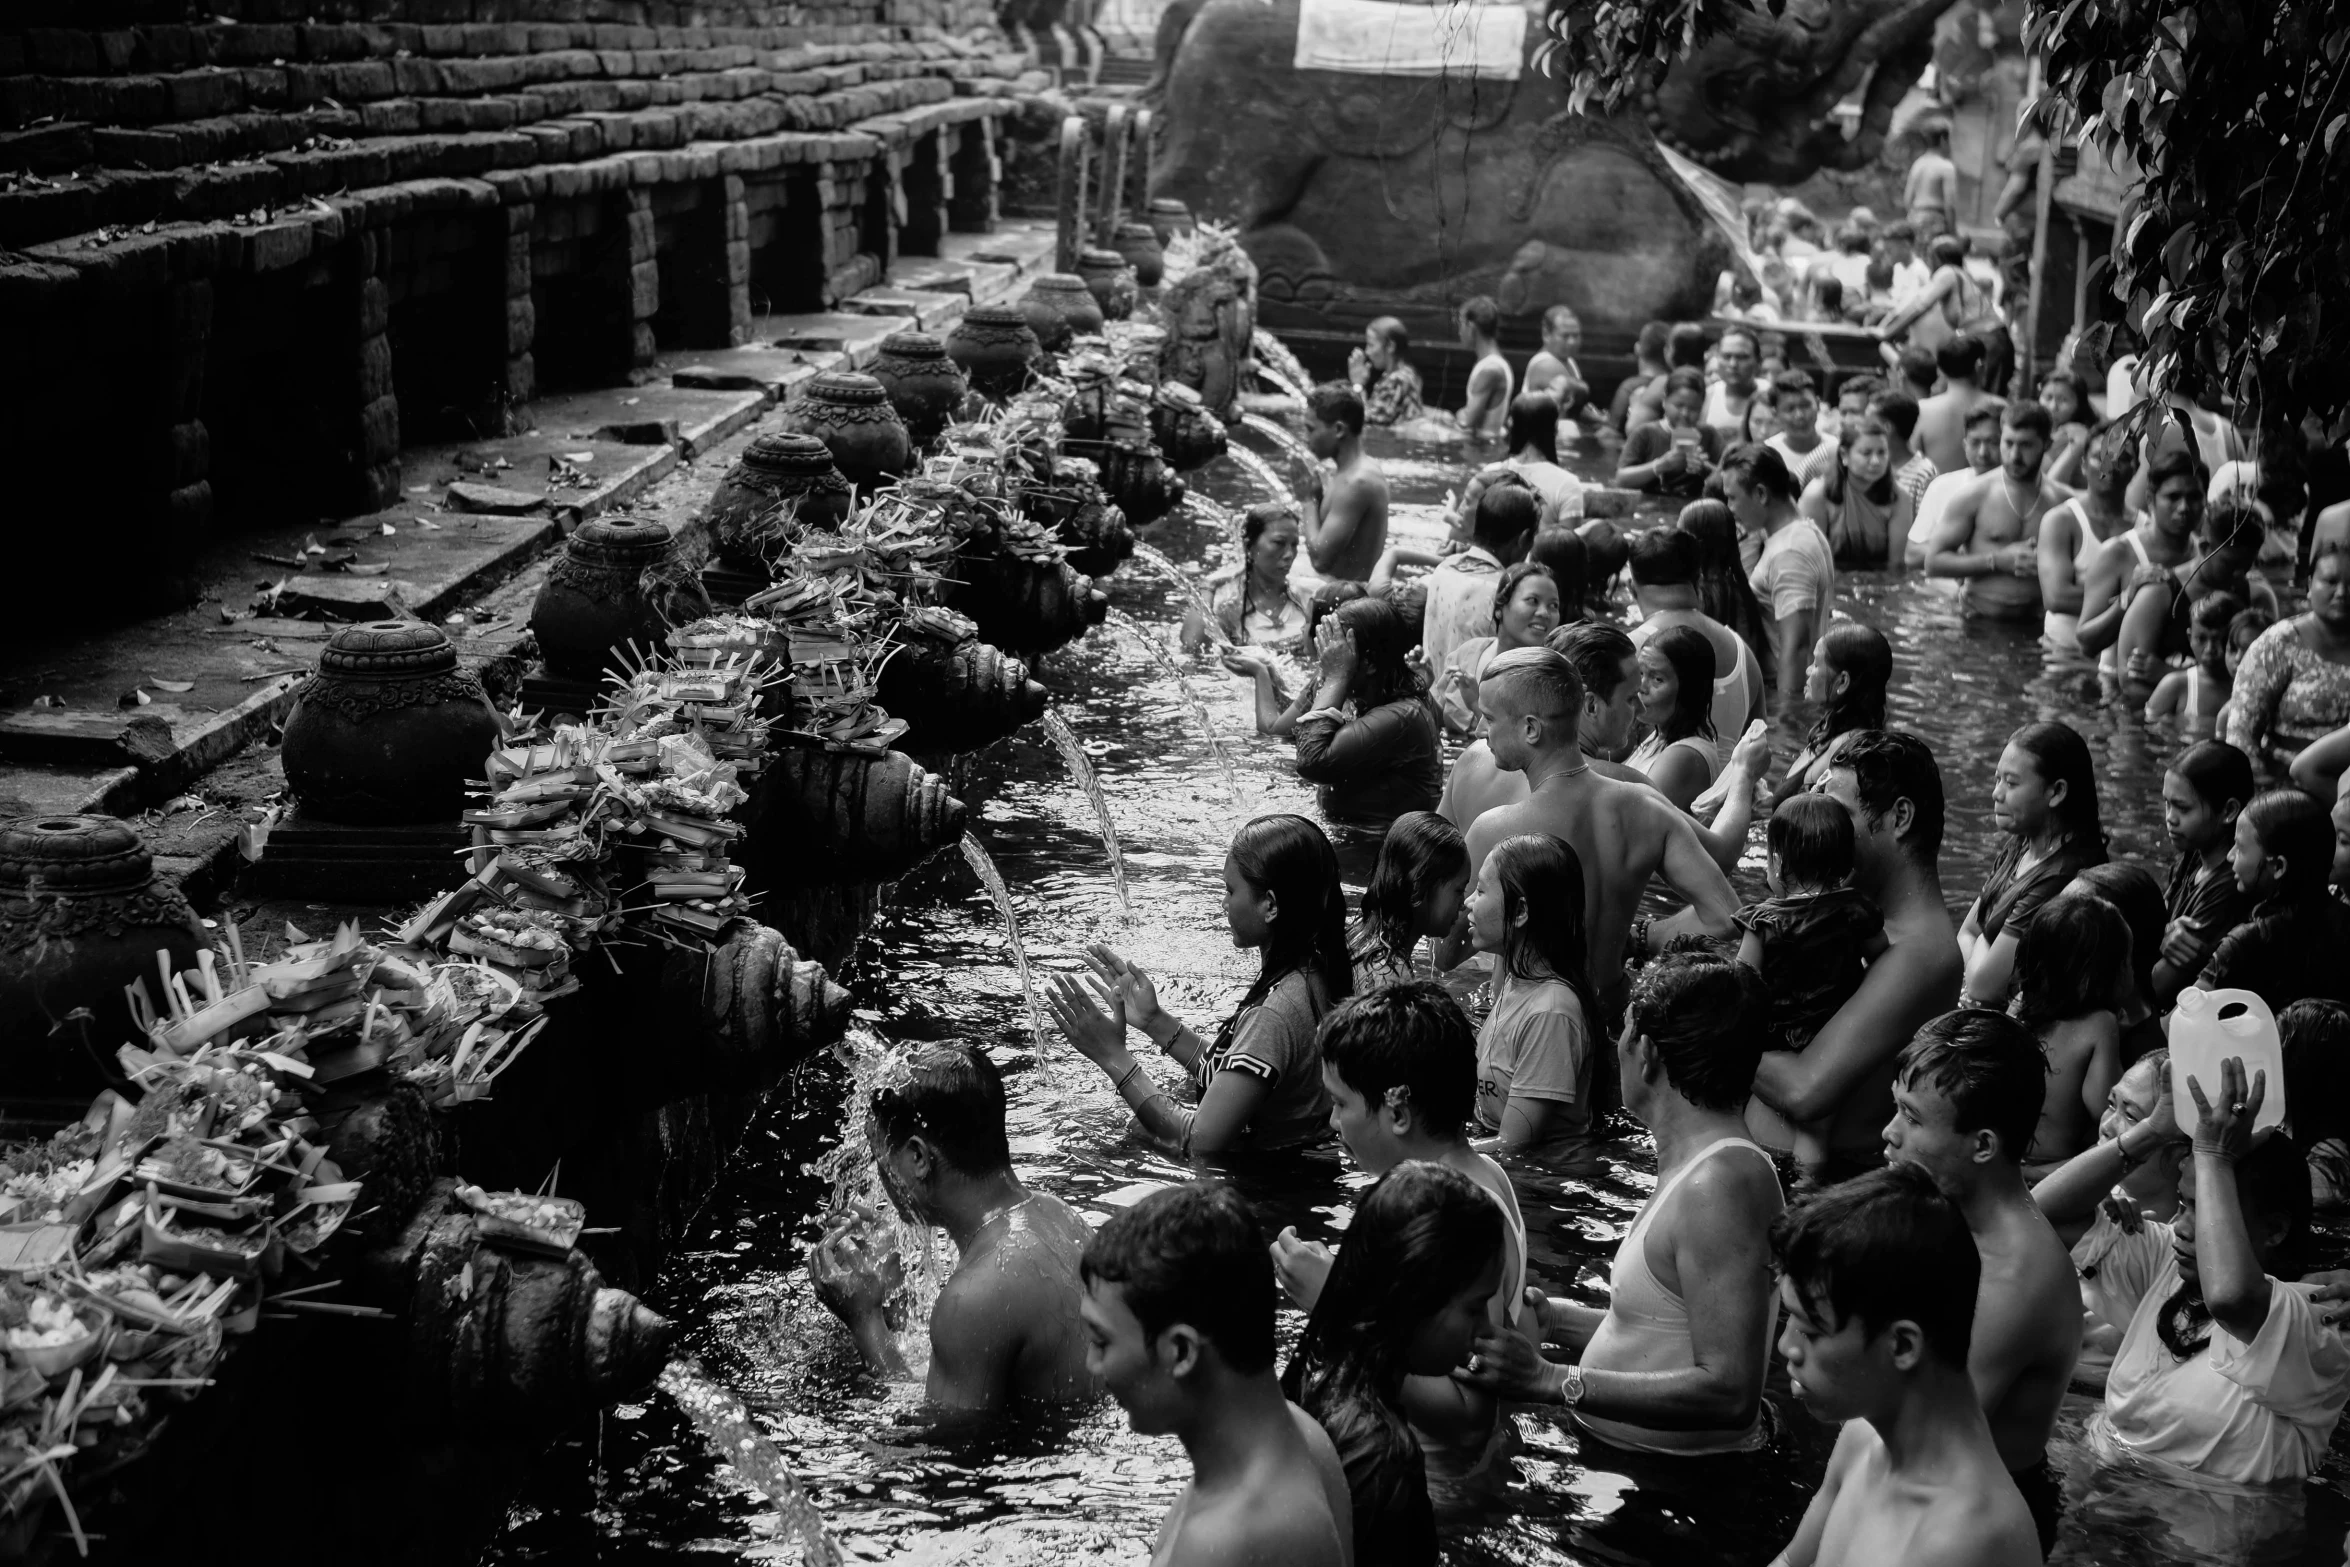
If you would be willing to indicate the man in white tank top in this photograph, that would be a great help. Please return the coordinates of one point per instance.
(1675, 1364)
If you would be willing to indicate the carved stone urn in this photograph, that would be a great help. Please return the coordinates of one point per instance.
(596, 600)
(1168, 218)
(81, 916)
(784, 482)
(851, 414)
(1140, 244)
(1187, 434)
(924, 383)
(996, 347)
(1110, 280)
(389, 729)
(1060, 308)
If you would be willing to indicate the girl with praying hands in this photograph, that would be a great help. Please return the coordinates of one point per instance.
(1259, 1080)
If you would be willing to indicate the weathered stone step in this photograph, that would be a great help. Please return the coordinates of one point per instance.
(977, 281)
(927, 309)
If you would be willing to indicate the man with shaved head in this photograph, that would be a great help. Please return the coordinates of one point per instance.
(1624, 833)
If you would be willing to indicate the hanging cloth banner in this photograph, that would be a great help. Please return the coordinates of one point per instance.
(1483, 39)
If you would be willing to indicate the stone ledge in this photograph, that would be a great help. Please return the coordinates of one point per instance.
(323, 187)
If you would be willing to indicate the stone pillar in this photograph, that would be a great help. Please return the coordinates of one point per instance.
(738, 260)
(521, 382)
(927, 184)
(848, 267)
(644, 282)
(376, 473)
(975, 171)
(187, 500)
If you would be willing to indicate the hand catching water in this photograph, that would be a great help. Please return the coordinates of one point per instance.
(856, 1267)
(1132, 986)
(1091, 1015)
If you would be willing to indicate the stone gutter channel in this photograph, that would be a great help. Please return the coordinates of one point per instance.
(171, 723)
(464, 547)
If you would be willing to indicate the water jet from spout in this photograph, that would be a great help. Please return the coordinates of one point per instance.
(1199, 711)
(1260, 470)
(1182, 579)
(983, 864)
(727, 1427)
(1281, 435)
(1278, 365)
(1081, 769)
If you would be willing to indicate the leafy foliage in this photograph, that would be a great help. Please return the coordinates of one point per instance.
(1608, 50)
(2235, 241)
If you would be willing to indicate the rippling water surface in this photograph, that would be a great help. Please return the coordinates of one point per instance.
(641, 1485)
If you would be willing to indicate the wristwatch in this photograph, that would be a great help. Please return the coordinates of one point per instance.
(1571, 1387)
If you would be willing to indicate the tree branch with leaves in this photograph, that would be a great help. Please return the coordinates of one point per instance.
(2232, 250)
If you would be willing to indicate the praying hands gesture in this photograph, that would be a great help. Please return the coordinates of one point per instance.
(1096, 1008)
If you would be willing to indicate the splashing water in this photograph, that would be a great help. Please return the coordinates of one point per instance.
(1278, 365)
(1081, 769)
(1260, 470)
(727, 1427)
(1189, 589)
(853, 1185)
(1281, 435)
(1199, 710)
(993, 880)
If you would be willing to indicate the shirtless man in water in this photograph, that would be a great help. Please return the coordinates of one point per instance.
(1942, 418)
(1006, 1324)
(1342, 519)
(1878, 1278)
(1179, 1318)
(1966, 1105)
(1623, 833)
(1990, 536)
(1491, 382)
(1830, 1101)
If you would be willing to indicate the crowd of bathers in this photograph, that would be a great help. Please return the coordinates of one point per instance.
(1940, 1170)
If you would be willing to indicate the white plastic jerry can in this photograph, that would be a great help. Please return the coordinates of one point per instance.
(2210, 1026)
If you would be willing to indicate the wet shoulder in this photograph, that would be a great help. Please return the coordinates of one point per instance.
(1284, 1517)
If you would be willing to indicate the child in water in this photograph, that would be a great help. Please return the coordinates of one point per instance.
(1416, 891)
(1809, 938)
(2072, 980)
(1405, 1297)
(2196, 694)
(2204, 788)
(1534, 1050)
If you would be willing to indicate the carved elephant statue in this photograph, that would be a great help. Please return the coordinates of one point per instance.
(1400, 189)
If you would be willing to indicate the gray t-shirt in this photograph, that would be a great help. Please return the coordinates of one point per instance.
(1274, 1041)
(1535, 1045)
